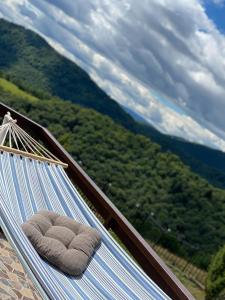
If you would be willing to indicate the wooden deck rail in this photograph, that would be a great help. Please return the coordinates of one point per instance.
(150, 262)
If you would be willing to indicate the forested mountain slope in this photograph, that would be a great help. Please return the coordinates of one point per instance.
(137, 176)
(32, 64)
(27, 60)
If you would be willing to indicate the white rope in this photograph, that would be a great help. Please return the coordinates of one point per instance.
(42, 149)
(24, 140)
(10, 136)
(15, 136)
(29, 141)
(15, 139)
(21, 142)
(3, 134)
(35, 144)
(3, 126)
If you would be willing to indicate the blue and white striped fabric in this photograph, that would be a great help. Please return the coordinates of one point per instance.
(27, 186)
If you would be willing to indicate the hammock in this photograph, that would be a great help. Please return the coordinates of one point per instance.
(28, 185)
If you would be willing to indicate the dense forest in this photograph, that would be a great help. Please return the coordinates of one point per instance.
(215, 283)
(27, 60)
(142, 181)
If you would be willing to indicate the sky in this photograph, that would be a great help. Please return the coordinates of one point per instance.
(164, 59)
(216, 12)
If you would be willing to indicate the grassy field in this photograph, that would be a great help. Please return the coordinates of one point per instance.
(15, 90)
(194, 289)
(192, 277)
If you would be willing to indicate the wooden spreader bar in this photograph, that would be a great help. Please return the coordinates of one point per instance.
(32, 156)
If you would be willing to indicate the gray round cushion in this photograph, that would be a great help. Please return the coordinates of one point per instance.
(62, 241)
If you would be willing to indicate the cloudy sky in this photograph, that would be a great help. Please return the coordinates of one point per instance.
(164, 59)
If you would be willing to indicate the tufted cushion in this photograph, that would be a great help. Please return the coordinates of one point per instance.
(64, 242)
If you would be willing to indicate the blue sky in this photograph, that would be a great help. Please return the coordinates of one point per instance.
(216, 12)
(164, 59)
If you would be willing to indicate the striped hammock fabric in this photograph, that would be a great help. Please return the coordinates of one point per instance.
(27, 186)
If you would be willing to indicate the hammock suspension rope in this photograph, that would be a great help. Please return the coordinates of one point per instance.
(14, 139)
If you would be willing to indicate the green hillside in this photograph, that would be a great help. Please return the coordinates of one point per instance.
(27, 60)
(136, 175)
(34, 66)
(16, 91)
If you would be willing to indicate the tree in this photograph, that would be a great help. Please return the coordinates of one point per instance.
(215, 284)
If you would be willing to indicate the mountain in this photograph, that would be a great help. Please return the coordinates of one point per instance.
(208, 163)
(137, 117)
(27, 60)
(138, 177)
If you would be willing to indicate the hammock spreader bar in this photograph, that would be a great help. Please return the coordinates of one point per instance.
(15, 140)
(32, 156)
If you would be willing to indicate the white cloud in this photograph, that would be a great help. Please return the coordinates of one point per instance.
(218, 2)
(142, 53)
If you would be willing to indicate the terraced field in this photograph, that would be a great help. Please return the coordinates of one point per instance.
(191, 276)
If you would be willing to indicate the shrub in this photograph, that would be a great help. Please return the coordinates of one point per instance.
(215, 284)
